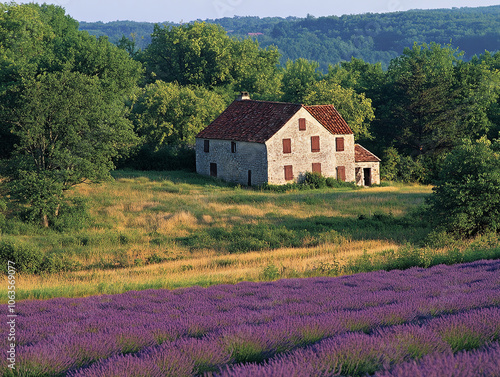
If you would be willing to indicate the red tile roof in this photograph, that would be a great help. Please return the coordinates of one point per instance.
(252, 121)
(258, 121)
(330, 118)
(363, 155)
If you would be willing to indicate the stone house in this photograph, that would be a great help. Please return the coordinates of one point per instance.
(256, 142)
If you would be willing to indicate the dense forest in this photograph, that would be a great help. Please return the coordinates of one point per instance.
(329, 40)
(74, 106)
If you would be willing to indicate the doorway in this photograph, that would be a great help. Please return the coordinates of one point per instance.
(367, 173)
(213, 170)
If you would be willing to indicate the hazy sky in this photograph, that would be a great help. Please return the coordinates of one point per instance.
(189, 10)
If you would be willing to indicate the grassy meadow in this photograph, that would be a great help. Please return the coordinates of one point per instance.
(178, 229)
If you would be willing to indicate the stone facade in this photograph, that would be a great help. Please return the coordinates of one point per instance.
(256, 142)
(367, 173)
(233, 161)
(301, 157)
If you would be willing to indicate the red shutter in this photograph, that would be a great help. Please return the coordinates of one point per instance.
(316, 167)
(341, 173)
(302, 124)
(288, 172)
(340, 144)
(314, 143)
(287, 145)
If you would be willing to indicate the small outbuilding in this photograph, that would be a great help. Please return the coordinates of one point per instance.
(256, 142)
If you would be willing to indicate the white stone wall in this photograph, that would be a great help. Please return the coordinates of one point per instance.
(233, 167)
(302, 157)
(374, 170)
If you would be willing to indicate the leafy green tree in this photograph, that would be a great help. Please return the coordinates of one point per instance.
(168, 113)
(437, 99)
(68, 132)
(255, 70)
(466, 197)
(491, 64)
(203, 54)
(423, 105)
(191, 54)
(62, 96)
(355, 108)
(299, 77)
(129, 45)
(358, 75)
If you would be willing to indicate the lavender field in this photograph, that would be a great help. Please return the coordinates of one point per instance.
(441, 321)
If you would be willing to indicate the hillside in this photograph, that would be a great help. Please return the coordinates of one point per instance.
(328, 40)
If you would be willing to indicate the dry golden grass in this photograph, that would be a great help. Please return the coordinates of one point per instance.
(203, 268)
(140, 220)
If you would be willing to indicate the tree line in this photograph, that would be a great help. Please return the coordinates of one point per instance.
(330, 40)
(73, 106)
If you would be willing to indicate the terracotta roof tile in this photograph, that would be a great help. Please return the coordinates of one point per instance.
(252, 121)
(330, 118)
(363, 155)
(258, 121)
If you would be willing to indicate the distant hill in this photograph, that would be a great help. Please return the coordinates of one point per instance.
(329, 40)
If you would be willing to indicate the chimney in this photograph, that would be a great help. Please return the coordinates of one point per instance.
(243, 96)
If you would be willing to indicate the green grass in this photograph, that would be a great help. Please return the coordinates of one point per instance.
(194, 225)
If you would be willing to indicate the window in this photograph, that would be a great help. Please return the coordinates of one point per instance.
(339, 144)
(249, 178)
(233, 147)
(287, 145)
(314, 143)
(341, 173)
(288, 173)
(302, 124)
(316, 167)
(206, 146)
(213, 170)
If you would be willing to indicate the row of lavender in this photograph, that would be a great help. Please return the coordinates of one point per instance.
(351, 325)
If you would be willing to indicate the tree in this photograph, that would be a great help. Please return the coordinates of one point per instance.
(298, 78)
(68, 133)
(62, 102)
(192, 54)
(437, 99)
(203, 54)
(488, 67)
(355, 108)
(168, 113)
(423, 106)
(256, 70)
(466, 197)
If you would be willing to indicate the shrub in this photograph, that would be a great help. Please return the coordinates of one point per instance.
(73, 215)
(282, 188)
(440, 239)
(54, 263)
(337, 183)
(271, 272)
(314, 180)
(27, 258)
(397, 167)
(466, 198)
(311, 181)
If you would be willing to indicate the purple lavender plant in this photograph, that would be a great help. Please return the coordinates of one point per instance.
(348, 325)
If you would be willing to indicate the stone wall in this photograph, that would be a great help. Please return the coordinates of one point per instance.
(301, 157)
(374, 173)
(233, 167)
